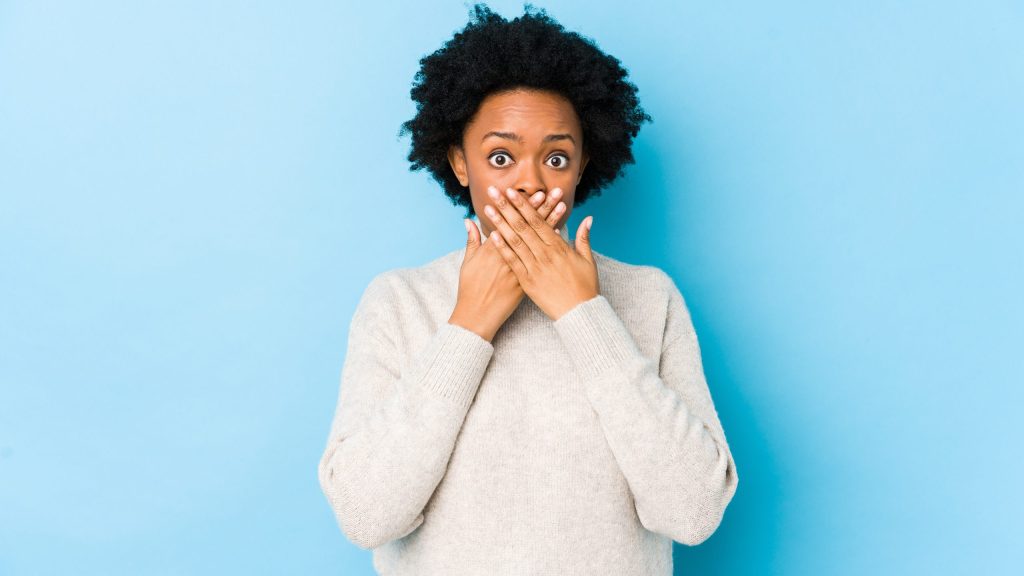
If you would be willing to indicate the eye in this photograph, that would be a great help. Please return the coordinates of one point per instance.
(558, 161)
(499, 159)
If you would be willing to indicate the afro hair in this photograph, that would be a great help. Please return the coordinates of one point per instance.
(492, 54)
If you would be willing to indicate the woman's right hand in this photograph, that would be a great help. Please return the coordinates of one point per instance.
(488, 289)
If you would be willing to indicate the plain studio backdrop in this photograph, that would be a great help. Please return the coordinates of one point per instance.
(194, 194)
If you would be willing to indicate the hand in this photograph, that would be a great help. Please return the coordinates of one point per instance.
(552, 274)
(488, 289)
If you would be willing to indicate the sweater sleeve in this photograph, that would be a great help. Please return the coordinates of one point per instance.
(658, 417)
(395, 424)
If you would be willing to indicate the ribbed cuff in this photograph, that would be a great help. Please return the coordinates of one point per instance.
(454, 363)
(596, 338)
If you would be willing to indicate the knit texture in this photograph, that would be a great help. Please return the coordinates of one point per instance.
(583, 445)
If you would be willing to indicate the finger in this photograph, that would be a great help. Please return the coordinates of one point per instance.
(504, 231)
(524, 221)
(513, 234)
(556, 215)
(547, 206)
(542, 235)
(510, 256)
(472, 238)
(552, 209)
(539, 201)
(583, 239)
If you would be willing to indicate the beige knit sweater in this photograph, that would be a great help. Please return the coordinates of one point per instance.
(578, 446)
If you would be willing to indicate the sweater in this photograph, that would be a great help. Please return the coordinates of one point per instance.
(583, 445)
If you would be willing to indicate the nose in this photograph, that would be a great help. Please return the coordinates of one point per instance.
(529, 180)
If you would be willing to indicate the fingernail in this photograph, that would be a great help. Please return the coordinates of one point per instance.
(537, 197)
(489, 210)
(556, 193)
(511, 195)
(590, 222)
(493, 192)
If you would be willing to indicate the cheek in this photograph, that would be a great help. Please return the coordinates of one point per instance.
(569, 193)
(478, 193)
(478, 186)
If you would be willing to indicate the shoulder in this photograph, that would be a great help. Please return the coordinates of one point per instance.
(433, 275)
(646, 297)
(404, 291)
(631, 281)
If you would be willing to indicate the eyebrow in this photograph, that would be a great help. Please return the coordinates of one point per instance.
(518, 138)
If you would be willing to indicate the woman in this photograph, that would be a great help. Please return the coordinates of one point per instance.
(520, 405)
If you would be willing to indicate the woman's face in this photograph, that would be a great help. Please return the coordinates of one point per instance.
(525, 139)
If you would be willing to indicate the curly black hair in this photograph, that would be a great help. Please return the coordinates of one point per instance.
(492, 54)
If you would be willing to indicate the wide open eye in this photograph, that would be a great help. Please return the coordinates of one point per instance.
(499, 159)
(558, 161)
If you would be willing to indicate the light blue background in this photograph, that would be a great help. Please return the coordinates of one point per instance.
(195, 194)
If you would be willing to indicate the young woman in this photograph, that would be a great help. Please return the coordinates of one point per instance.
(522, 405)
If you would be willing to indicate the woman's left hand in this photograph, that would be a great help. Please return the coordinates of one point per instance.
(554, 275)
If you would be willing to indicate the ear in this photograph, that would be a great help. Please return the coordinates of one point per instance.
(457, 159)
(583, 166)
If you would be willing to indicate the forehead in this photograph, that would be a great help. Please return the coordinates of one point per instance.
(525, 112)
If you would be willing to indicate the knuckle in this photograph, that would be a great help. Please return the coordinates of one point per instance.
(520, 225)
(545, 208)
(528, 280)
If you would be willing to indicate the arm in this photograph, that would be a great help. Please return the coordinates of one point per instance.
(393, 433)
(659, 421)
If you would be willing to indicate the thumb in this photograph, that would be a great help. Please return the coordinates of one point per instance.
(583, 239)
(472, 239)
